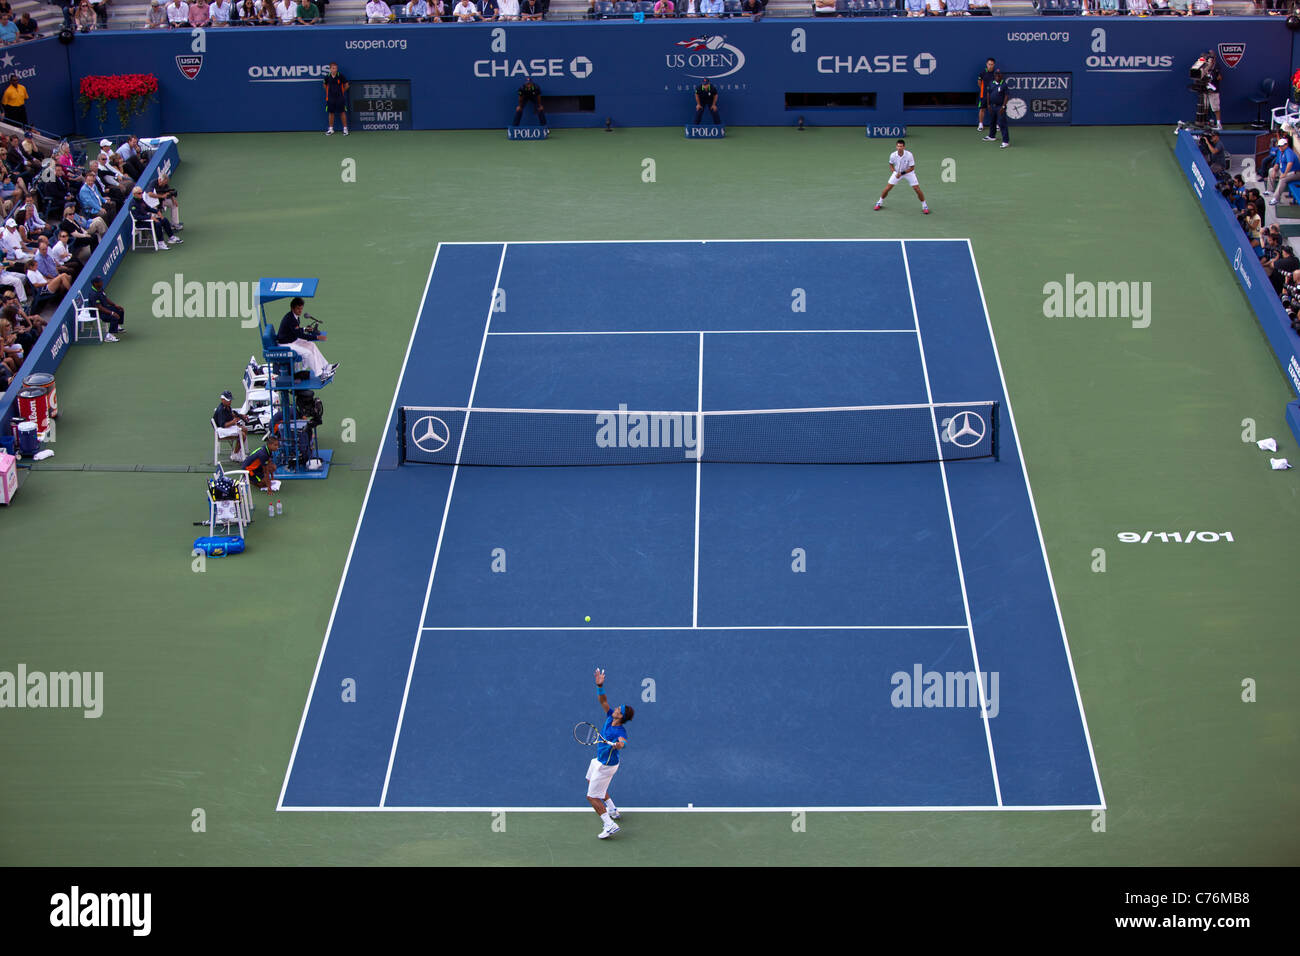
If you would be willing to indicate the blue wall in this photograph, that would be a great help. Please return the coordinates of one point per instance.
(464, 75)
(43, 67)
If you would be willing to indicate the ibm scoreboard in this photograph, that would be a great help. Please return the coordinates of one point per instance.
(381, 104)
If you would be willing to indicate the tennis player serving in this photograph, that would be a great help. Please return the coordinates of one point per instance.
(609, 741)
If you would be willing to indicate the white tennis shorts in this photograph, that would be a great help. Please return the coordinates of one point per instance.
(910, 177)
(598, 778)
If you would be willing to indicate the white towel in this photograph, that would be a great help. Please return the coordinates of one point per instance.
(1279, 464)
(1268, 444)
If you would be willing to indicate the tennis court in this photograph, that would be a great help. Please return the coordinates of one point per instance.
(792, 635)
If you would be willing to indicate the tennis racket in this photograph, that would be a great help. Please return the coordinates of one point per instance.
(588, 734)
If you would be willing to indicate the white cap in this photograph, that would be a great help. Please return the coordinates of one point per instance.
(11, 223)
(105, 142)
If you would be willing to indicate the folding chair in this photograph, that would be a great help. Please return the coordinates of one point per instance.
(85, 315)
(143, 233)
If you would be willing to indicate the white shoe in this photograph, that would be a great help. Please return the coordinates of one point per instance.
(980, 127)
(1005, 146)
(1272, 201)
(330, 131)
(110, 337)
(606, 833)
(345, 131)
(176, 239)
(988, 139)
(162, 247)
(614, 815)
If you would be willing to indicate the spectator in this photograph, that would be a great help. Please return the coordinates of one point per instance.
(101, 12)
(10, 348)
(11, 274)
(62, 253)
(959, 8)
(1139, 8)
(378, 12)
(54, 281)
(438, 11)
(508, 9)
(157, 16)
(10, 194)
(27, 328)
(266, 13)
(534, 9)
(231, 425)
(13, 243)
(711, 8)
(755, 8)
(84, 231)
(8, 30)
(688, 8)
(129, 154)
(915, 8)
(109, 311)
(92, 202)
(246, 12)
(1286, 170)
(178, 14)
(200, 14)
(221, 13)
(30, 221)
(27, 28)
(418, 11)
(286, 12)
(663, 8)
(6, 8)
(302, 342)
(487, 9)
(465, 12)
(935, 8)
(307, 13)
(15, 101)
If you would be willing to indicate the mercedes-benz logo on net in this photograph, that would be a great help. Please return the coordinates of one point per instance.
(965, 429)
(430, 434)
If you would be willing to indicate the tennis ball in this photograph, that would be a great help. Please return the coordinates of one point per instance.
(587, 619)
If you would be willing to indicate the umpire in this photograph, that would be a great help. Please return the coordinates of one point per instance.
(997, 94)
(530, 92)
(706, 98)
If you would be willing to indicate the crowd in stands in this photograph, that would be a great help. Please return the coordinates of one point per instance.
(54, 209)
(16, 29)
(1280, 167)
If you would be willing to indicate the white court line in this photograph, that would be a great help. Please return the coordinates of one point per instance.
(1024, 468)
(952, 524)
(980, 808)
(693, 413)
(718, 627)
(721, 332)
(699, 466)
(683, 242)
(446, 510)
(356, 532)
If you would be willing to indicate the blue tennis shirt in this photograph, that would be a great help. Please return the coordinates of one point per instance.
(607, 755)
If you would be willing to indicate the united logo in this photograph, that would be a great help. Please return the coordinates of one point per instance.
(1231, 53)
(189, 65)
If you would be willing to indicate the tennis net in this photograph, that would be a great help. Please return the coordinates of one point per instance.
(541, 437)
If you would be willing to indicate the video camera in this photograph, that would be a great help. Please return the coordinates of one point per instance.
(1201, 74)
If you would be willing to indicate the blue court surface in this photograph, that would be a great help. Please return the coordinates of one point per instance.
(792, 636)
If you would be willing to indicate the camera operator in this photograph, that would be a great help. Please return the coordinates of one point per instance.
(303, 341)
(1206, 80)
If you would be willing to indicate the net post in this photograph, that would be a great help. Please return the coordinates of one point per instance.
(994, 427)
(401, 435)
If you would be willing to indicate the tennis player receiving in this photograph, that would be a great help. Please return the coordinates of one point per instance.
(603, 766)
(903, 166)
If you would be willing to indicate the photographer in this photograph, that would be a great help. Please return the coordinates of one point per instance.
(303, 341)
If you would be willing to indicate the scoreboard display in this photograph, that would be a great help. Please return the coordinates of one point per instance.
(381, 104)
